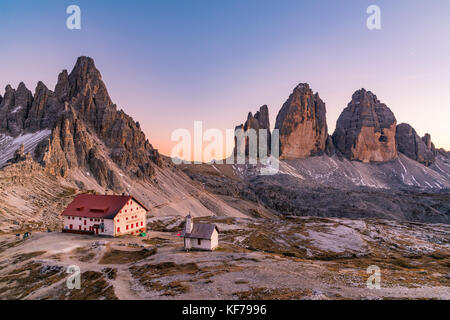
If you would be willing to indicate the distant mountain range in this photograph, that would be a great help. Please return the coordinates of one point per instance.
(75, 135)
(370, 167)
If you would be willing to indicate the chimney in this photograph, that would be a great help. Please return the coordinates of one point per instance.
(189, 224)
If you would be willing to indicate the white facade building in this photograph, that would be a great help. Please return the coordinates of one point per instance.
(200, 236)
(107, 215)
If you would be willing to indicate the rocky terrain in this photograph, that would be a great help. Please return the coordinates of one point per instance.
(328, 187)
(292, 258)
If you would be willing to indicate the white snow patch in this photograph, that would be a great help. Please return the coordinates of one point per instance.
(16, 109)
(418, 184)
(406, 172)
(8, 145)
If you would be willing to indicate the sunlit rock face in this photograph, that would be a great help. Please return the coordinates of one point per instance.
(365, 130)
(302, 124)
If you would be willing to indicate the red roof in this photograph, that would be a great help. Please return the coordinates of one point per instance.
(97, 206)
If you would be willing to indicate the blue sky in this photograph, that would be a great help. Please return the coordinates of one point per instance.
(168, 63)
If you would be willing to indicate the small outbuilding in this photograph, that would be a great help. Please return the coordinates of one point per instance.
(200, 236)
(107, 215)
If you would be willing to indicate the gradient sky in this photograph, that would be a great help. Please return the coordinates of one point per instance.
(168, 63)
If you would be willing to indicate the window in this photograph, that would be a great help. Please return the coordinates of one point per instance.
(132, 225)
(79, 228)
(79, 218)
(142, 223)
(118, 220)
(127, 227)
(118, 229)
(84, 224)
(71, 227)
(90, 219)
(199, 241)
(85, 229)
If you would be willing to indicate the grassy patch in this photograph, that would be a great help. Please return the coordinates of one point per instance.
(156, 241)
(94, 286)
(272, 294)
(27, 256)
(175, 288)
(115, 256)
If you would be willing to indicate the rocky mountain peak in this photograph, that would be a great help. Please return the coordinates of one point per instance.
(22, 87)
(8, 98)
(87, 130)
(62, 87)
(8, 88)
(85, 80)
(84, 70)
(13, 108)
(411, 145)
(427, 140)
(365, 130)
(302, 124)
(303, 87)
(259, 121)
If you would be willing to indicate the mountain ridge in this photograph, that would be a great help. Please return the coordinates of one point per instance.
(75, 138)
